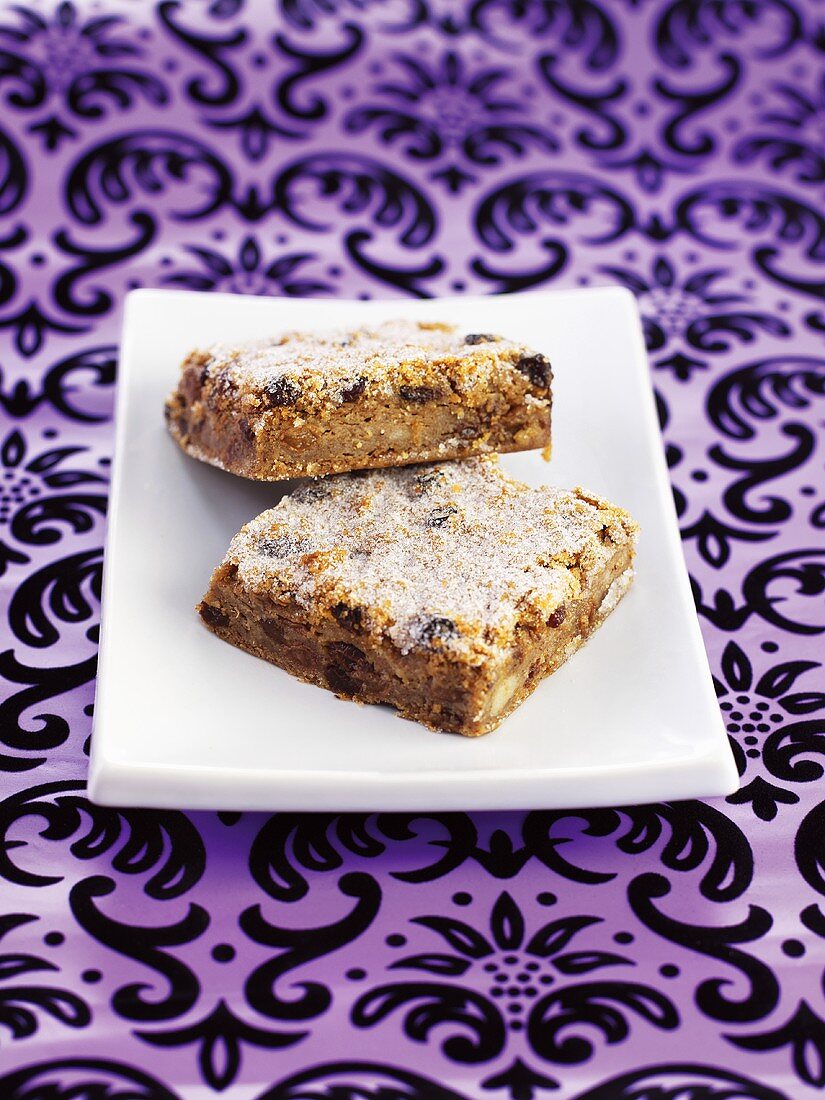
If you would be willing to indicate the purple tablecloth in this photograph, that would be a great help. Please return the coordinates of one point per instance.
(395, 148)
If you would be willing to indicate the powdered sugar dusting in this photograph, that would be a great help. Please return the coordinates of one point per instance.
(342, 358)
(449, 556)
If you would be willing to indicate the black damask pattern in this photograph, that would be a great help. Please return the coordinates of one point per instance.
(414, 148)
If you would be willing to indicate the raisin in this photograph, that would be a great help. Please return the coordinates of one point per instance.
(354, 390)
(340, 681)
(274, 629)
(419, 395)
(224, 385)
(348, 666)
(480, 338)
(212, 616)
(346, 616)
(280, 392)
(435, 628)
(281, 546)
(424, 482)
(314, 491)
(348, 657)
(558, 616)
(246, 430)
(439, 516)
(537, 369)
(203, 376)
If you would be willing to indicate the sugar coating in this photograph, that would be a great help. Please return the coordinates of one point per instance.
(450, 556)
(335, 361)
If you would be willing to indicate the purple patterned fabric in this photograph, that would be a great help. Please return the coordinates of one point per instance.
(396, 148)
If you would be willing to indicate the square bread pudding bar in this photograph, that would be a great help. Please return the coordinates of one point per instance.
(448, 591)
(308, 404)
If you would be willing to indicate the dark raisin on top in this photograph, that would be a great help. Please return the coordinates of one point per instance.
(281, 546)
(419, 395)
(346, 616)
(436, 628)
(316, 490)
(538, 370)
(281, 391)
(439, 516)
(424, 482)
(481, 338)
(353, 390)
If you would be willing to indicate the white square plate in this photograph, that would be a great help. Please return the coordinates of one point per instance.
(185, 720)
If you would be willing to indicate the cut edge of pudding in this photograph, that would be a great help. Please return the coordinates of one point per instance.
(399, 393)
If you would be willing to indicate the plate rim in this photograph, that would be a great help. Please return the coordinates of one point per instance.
(360, 789)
